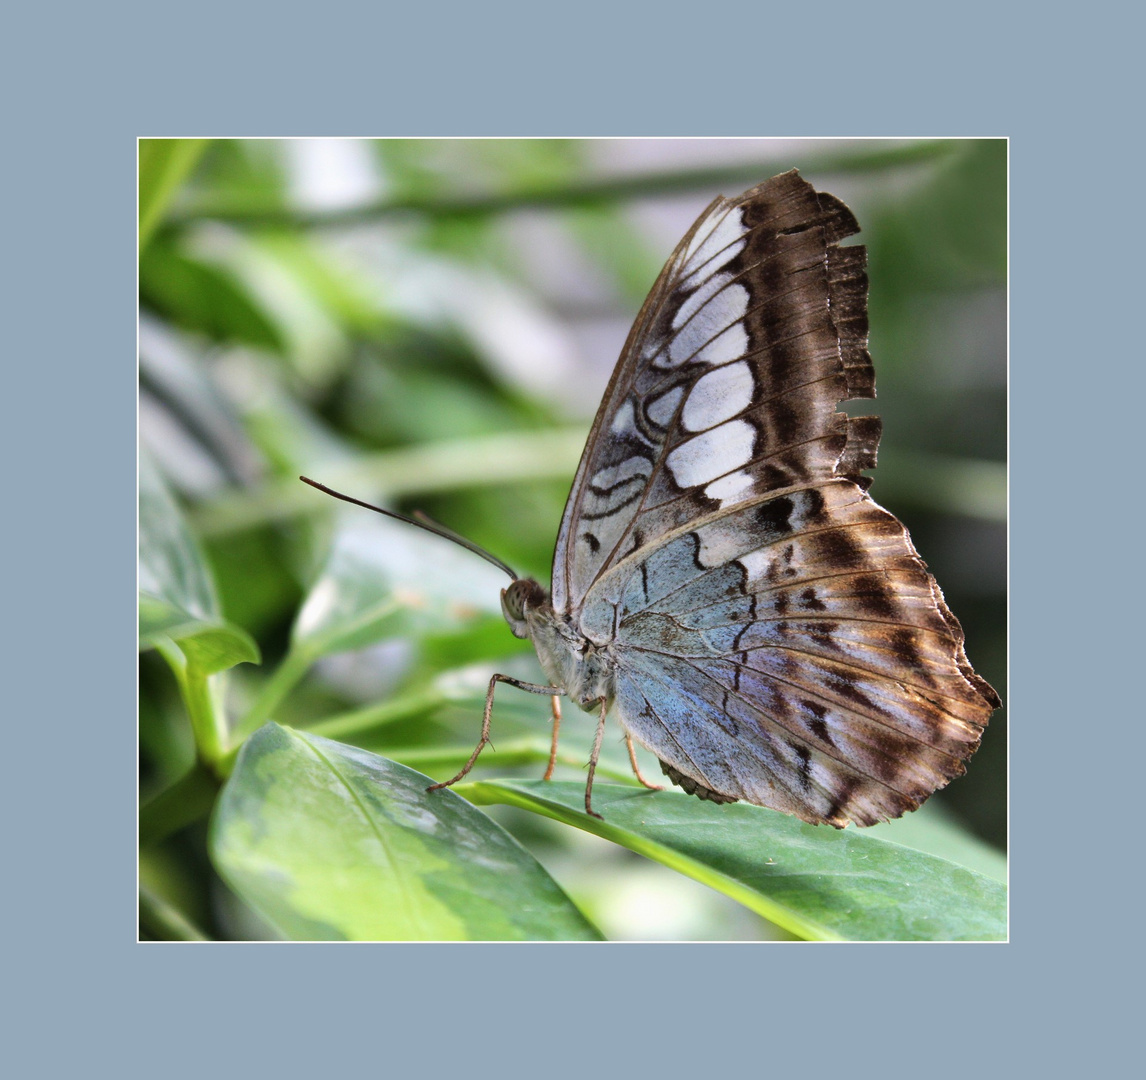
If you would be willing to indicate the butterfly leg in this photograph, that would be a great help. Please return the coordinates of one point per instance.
(636, 768)
(593, 756)
(533, 688)
(553, 746)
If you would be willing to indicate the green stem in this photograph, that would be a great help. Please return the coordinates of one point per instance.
(208, 721)
(164, 921)
(974, 488)
(587, 193)
(202, 696)
(360, 722)
(522, 752)
(285, 678)
(431, 467)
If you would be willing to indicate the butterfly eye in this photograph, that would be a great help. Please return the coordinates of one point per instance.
(513, 600)
(522, 594)
(511, 603)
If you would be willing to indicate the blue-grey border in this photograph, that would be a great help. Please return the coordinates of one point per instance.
(85, 87)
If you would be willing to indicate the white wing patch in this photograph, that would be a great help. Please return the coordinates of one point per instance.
(717, 396)
(623, 423)
(731, 345)
(711, 454)
(757, 564)
(733, 488)
(692, 340)
(723, 243)
(699, 298)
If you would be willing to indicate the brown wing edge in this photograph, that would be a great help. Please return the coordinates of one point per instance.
(847, 306)
(847, 284)
(980, 685)
(789, 197)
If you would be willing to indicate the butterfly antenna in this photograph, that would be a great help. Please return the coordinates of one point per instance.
(424, 523)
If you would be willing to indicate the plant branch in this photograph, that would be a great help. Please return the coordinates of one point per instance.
(282, 681)
(430, 467)
(357, 723)
(507, 754)
(955, 485)
(586, 193)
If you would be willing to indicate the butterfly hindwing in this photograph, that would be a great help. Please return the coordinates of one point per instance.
(793, 652)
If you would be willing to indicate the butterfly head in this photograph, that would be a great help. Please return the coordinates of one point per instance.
(523, 595)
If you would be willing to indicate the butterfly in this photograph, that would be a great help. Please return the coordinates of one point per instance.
(723, 585)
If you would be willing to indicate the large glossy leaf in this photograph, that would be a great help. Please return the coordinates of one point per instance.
(329, 842)
(932, 829)
(817, 882)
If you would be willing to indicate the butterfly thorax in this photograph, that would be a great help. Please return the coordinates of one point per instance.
(585, 671)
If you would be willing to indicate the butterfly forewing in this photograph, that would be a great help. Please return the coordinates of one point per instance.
(728, 385)
(773, 634)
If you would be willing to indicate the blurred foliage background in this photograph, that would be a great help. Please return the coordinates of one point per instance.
(430, 324)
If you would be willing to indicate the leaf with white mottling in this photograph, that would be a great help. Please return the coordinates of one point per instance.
(329, 842)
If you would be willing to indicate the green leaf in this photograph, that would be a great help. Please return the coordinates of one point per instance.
(177, 607)
(329, 842)
(347, 296)
(186, 800)
(383, 578)
(264, 271)
(171, 567)
(209, 646)
(816, 882)
(176, 596)
(163, 165)
(198, 294)
(931, 829)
